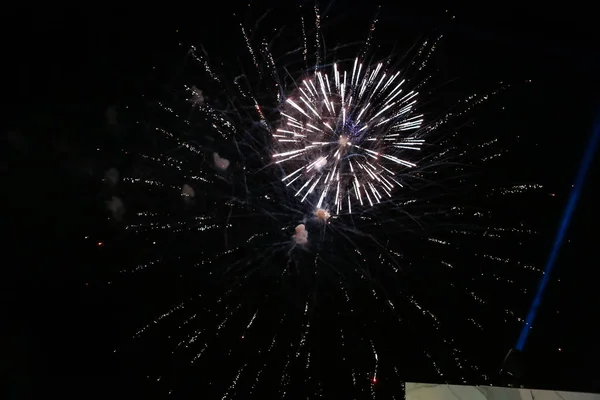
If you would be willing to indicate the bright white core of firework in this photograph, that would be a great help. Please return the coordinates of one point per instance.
(344, 136)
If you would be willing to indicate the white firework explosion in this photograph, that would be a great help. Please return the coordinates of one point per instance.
(343, 135)
(346, 137)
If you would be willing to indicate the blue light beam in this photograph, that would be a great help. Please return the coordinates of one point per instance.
(566, 219)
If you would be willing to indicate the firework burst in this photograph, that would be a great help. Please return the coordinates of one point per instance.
(343, 136)
(287, 185)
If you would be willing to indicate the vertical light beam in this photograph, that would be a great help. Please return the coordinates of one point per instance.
(564, 224)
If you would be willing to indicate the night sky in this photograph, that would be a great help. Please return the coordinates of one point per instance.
(67, 307)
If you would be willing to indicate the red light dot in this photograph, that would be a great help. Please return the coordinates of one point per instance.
(242, 336)
(100, 244)
(374, 380)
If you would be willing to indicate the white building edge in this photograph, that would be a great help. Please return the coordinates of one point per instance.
(430, 391)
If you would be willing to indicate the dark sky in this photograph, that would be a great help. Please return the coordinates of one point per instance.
(67, 66)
